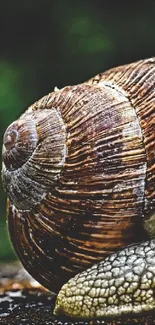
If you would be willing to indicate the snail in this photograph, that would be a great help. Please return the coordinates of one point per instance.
(79, 172)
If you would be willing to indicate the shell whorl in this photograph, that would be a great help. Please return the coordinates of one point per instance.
(19, 142)
(33, 156)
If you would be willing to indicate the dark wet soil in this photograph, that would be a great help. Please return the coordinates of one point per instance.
(24, 302)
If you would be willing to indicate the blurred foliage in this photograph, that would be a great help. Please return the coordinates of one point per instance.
(6, 250)
(48, 43)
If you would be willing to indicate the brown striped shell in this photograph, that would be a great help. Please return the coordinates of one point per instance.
(78, 168)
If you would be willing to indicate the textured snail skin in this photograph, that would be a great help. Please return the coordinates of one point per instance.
(124, 283)
(79, 172)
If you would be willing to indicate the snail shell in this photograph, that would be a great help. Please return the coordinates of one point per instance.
(78, 168)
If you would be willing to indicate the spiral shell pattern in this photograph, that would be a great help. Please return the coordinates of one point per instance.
(19, 142)
(33, 156)
(88, 183)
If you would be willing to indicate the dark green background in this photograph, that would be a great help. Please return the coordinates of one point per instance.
(45, 43)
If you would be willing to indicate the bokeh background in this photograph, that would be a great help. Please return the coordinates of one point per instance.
(45, 43)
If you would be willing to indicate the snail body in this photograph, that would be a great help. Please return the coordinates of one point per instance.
(78, 168)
